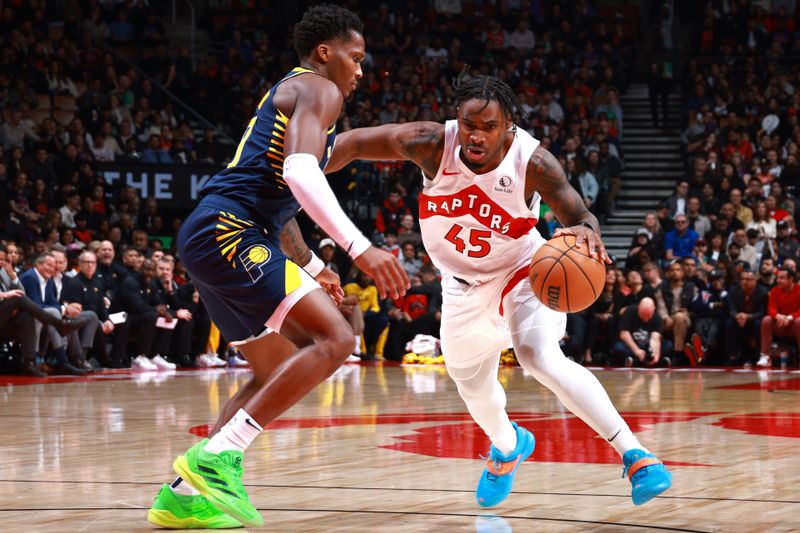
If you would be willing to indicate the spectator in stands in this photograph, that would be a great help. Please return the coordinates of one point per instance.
(787, 244)
(391, 212)
(140, 303)
(87, 290)
(708, 308)
(641, 244)
(743, 213)
(766, 273)
(409, 261)
(418, 312)
(746, 306)
(19, 316)
(181, 304)
(727, 222)
(40, 287)
(762, 221)
(154, 154)
(390, 243)
(747, 252)
(327, 249)
(81, 341)
(375, 319)
(677, 201)
(774, 208)
(783, 314)
(680, 241)
(691, 273)
(709, 203)
(209, 149)
(664, 219)
(407, 231)
(697, 221)
(15, 131)
(601, 320)
(673, 300)
(640, 341)
(582, 181)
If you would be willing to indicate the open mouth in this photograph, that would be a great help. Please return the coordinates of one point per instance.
(473, 152)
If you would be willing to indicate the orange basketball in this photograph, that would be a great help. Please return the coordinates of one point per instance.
(565, 278)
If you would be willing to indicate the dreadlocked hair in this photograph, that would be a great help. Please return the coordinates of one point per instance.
(322, 23)
(488, 88)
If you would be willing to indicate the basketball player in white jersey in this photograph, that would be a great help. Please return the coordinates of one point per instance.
(482, 181)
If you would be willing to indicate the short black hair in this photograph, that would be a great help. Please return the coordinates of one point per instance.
(321, 23)
(489, 88)
(789, 272)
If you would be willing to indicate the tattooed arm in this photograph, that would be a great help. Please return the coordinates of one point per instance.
(546, 176)
(296, 249)
(418, 142)
(293, 244)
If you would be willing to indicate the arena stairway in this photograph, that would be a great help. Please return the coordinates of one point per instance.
(652, 164)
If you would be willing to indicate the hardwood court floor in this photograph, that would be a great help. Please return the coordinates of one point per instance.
(391, 449)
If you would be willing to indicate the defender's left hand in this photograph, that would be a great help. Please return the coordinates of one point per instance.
(585, 235)
(329, 280)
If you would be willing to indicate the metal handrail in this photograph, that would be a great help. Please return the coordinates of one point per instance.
(186, 107)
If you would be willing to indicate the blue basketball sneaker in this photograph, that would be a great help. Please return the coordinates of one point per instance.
(498, 476)
(649, 477)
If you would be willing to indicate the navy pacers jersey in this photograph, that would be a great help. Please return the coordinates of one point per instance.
(230, 243)
(254, 178)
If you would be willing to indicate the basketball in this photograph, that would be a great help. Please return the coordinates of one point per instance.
(566, 278)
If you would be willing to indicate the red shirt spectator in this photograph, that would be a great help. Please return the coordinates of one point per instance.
(784, 301)
(390, 214)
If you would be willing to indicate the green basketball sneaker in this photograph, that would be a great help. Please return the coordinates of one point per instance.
(218, 477)
(179, 511)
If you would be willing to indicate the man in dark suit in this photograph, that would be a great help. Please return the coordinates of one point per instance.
(81, 341)
(87, 290)
(746, 305)
(677, 201)
(110, 274)
(182, 306)
(40, 288)
(141, 301)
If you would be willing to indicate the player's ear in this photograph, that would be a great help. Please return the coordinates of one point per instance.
(324, 52)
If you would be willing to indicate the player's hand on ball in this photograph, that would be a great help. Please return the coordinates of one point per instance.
(329, 280)
(390, 278)
(585, 235)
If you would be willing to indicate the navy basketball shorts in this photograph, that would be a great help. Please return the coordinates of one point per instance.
(246, 282)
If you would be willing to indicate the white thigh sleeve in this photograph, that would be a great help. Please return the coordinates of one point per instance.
(486, 401)
(535, 331)
(309, 186)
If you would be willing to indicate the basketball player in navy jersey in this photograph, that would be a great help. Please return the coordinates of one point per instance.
(255, 274)
(482, 181)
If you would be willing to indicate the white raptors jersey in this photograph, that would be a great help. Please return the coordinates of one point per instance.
(476, 226)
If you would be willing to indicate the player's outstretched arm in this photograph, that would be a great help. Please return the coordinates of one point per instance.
(419, 142)
(316, 106)
(546, 176)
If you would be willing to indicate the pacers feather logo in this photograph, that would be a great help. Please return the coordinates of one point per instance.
(252, 258)
(229, 234)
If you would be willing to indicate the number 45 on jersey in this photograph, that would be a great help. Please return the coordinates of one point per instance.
(478, 241)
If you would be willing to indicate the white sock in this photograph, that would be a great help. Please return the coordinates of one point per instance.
(357, 351)
(624, 440)
(179, 486)
(505, 440)
(237, 434)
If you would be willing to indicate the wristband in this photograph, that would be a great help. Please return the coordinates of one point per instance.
(314, 266)
(587, 225)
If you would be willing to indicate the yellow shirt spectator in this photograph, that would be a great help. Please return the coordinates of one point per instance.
(367, 296)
